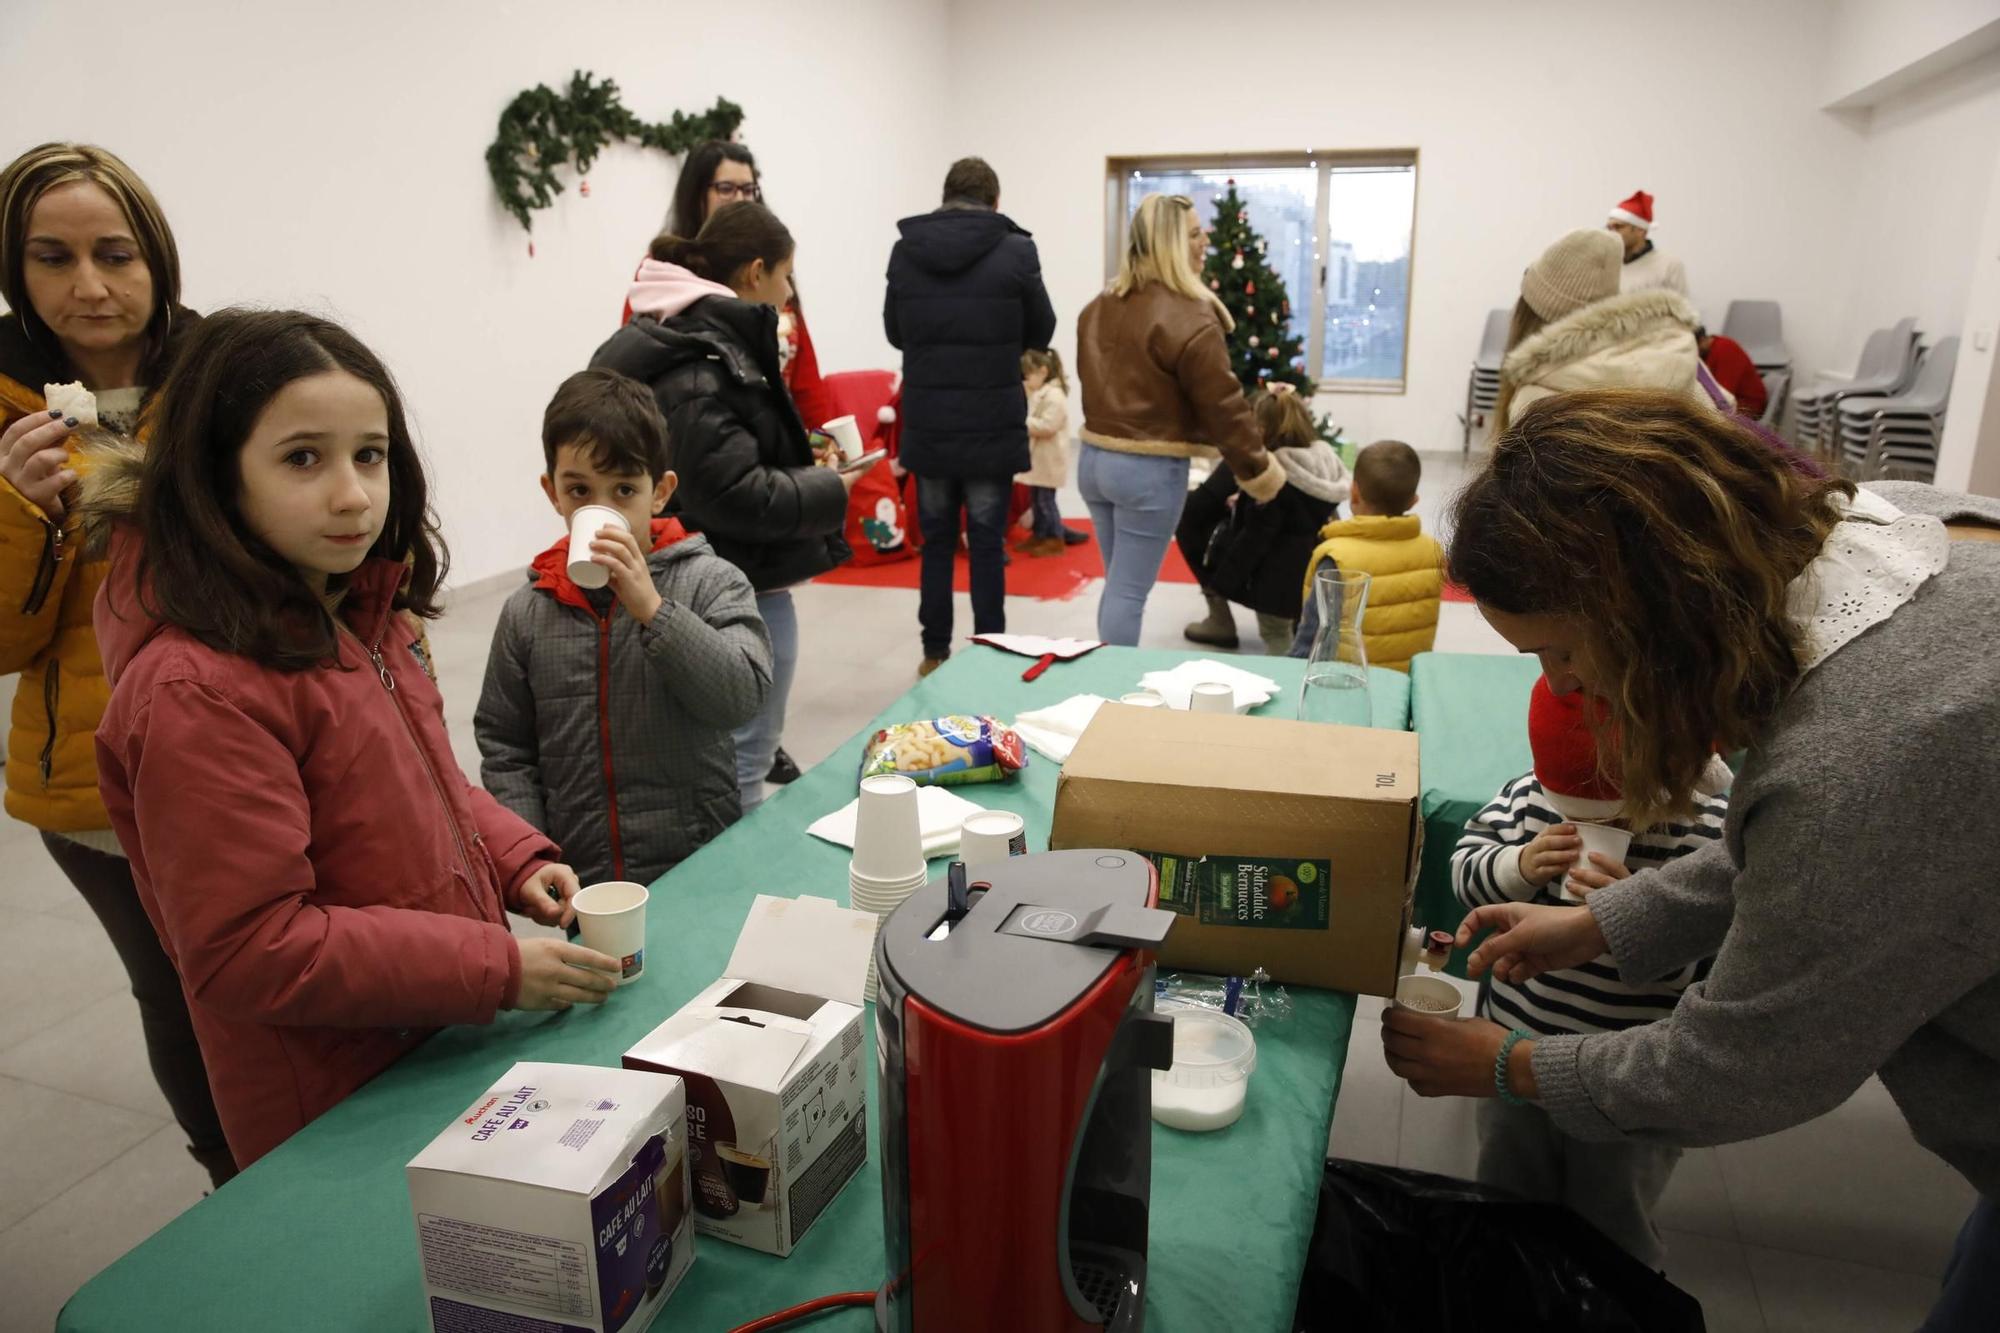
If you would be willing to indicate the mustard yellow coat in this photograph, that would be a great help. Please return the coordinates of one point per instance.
(47, 590)
(1405, 572)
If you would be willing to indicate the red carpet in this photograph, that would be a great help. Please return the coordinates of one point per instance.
(1053, 578)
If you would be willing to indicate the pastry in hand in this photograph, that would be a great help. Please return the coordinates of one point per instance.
(72, 400)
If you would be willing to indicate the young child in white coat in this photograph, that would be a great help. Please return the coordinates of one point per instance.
(1048, 467)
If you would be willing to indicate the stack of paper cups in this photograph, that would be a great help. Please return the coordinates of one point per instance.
(888, 864)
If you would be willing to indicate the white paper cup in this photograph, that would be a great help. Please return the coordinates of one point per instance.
(1609, 842)
(888, 837)
(1212, 696)
(584, 525)
(992, 835)
(879, 896)
(1433, 996)
(1143, 699)
(848, 436)
(611, 918)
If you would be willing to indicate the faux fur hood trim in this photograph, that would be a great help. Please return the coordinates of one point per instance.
(108, 492)
(1317, 470)
(1614, 320)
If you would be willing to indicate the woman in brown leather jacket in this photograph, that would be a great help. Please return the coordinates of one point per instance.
(1158, 390)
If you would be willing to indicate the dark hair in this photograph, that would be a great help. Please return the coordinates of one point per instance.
(1672, 534)
(1388, 472)
(201, 568)
(615, 416)
(1048, 361)
(1284, 420)
(33, 174)
(730, 239)
(690, 205)
(971, 181)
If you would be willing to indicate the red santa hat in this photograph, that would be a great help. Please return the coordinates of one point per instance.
(1638, 210)
(1566, 755)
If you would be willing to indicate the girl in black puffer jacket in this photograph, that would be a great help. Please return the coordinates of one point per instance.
(704, 338)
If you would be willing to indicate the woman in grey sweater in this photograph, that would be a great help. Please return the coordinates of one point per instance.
(1663, 559)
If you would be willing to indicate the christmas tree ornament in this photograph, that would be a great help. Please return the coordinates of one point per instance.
(1249, 289)
(1251, 311)
(1214, 285)
(1237, 262)
(1253, 340)
(583, 188)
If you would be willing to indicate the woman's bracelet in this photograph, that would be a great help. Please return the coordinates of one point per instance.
(1500, 1066)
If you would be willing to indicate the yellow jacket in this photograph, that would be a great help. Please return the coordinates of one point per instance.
(1405, 572)
(47, 591)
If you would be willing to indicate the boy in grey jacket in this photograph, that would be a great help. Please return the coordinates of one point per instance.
(606, 715)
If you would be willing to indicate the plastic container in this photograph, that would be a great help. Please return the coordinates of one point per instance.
(1214, 1056)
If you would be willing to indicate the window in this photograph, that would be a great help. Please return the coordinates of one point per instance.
(1337, 227)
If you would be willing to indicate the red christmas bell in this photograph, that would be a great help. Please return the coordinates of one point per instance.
(1249, 289)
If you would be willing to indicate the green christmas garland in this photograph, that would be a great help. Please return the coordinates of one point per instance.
(541, 130)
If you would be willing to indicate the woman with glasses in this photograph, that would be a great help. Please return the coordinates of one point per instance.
(1158, 390)
(716, 175)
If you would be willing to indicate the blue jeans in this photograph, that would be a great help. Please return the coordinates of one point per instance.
(1048, 518)
(984, 500)
(1135, 503)
(757, 740)
(1971, 1296)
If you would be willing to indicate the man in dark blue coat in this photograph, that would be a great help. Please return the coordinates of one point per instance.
(965, 300)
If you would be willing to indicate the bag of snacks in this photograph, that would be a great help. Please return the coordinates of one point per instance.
(945, 751)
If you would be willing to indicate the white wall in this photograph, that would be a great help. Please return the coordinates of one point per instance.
(1530, 119)
(1914, 204)
(1874, 43)
(332, 157)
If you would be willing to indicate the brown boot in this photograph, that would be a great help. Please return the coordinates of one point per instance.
(928, 665)
(1042, 546)
(1219, 630)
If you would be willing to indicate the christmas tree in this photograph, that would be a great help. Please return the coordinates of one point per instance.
(1262, 347)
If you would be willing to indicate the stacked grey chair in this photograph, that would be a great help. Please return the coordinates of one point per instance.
(1760, 328)
(1900, 431)
(1482, 390)
(1887, 359)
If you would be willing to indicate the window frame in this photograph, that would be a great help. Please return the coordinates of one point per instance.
(1118, 173)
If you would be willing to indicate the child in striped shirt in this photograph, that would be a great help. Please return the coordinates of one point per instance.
(1523, 847)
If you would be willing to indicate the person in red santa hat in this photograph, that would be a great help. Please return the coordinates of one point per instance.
(1529, 845)
(1646, 265)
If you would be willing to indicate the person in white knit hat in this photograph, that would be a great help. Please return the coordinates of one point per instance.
(1646, 265)
(1573, 329)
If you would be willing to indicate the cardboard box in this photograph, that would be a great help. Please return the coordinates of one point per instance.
(771, 1054)
(1291, 846)
(560, 1199)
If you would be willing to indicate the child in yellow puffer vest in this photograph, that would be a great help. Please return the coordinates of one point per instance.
(1385, 541)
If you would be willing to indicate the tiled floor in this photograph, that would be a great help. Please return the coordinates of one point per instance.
(1841, 1224)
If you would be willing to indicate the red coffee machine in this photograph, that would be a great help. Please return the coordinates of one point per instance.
(1016, 1039)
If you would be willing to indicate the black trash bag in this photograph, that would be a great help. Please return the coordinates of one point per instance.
(1396, 1250)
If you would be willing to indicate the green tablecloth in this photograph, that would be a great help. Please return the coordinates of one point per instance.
(318, 1235)
(1471, 716)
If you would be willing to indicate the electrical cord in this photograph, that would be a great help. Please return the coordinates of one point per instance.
(806, 1310)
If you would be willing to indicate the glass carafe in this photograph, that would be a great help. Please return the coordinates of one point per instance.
(1335, 688)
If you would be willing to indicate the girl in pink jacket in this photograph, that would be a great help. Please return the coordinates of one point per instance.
(274, 756)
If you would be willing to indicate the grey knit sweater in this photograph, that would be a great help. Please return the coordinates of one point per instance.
(1853, 905)
(582, 701)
